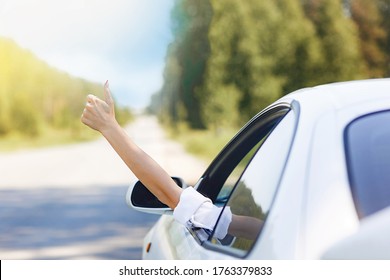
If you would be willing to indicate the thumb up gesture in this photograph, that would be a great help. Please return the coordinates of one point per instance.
(99, 114)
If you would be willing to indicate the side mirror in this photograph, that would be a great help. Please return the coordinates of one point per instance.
(371, 241)
(141, 199)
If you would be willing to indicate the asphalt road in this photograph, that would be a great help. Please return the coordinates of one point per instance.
(68, 202)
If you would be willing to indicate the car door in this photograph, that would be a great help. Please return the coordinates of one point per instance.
(244, 177)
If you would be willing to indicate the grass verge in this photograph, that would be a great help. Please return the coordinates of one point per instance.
(48, 137)
(205, 144)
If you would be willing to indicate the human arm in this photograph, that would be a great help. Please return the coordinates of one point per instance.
(100, 115)
(194, 208)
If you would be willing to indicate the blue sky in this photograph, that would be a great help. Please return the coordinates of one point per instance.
(124, 41)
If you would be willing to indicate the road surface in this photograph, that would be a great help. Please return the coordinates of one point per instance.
(68, 202)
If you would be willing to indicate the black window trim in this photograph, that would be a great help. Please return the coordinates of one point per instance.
(268, 112)
(226, 159)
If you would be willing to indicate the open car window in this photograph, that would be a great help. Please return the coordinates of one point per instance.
(250, 200)
(219, 179)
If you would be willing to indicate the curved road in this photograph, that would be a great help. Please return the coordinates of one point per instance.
(68, 202)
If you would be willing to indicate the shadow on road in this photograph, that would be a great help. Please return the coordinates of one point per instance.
(84, 223)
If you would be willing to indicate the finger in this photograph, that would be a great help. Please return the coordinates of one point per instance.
(86, 111)
(84, 118)
(91, 99)
(87, 122)
(107, 94)
(87, 117)
(89, 105)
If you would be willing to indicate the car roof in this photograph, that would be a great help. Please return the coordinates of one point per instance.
(343, 94)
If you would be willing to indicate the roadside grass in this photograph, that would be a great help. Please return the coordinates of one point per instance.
(48, 137)
(205, 144)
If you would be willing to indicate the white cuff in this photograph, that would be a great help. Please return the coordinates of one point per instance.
(195, 210)
(190, 201)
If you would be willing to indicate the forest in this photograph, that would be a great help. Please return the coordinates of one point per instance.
(229, 59)
(35, 97)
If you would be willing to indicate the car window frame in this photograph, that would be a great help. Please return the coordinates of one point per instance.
(211, 182)
(271, 112)
(244, 253)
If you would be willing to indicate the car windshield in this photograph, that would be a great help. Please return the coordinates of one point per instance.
(367, 143)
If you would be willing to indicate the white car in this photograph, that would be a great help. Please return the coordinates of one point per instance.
(314, 167)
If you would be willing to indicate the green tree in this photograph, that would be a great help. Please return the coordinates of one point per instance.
(366, 15)
(168, 97)
(34, 95)
(299, 50)
(339, 41)
(260, 50)
(186, 61)
(384, 9)
(255, 52)
(240, 78)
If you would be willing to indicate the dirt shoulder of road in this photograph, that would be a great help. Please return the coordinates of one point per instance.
(95, 163)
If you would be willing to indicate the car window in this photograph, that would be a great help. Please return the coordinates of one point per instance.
(367, 146)
(228, 186)
(252, 195)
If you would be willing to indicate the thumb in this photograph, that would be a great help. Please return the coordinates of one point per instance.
(107, 95)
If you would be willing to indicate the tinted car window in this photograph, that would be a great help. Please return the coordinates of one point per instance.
(253, 193)
(367, 143)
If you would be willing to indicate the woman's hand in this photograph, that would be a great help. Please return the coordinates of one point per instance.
(99, 114)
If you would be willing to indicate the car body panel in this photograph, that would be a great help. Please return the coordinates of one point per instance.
(371, 241)
(313, 208)
(175, 242)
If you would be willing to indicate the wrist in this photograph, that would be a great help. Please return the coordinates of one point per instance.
(110, 128)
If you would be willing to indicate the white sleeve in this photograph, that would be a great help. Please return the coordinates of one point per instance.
(196, 210)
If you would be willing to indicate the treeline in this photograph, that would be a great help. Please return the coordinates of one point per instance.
(35, 96)
(232, 58)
